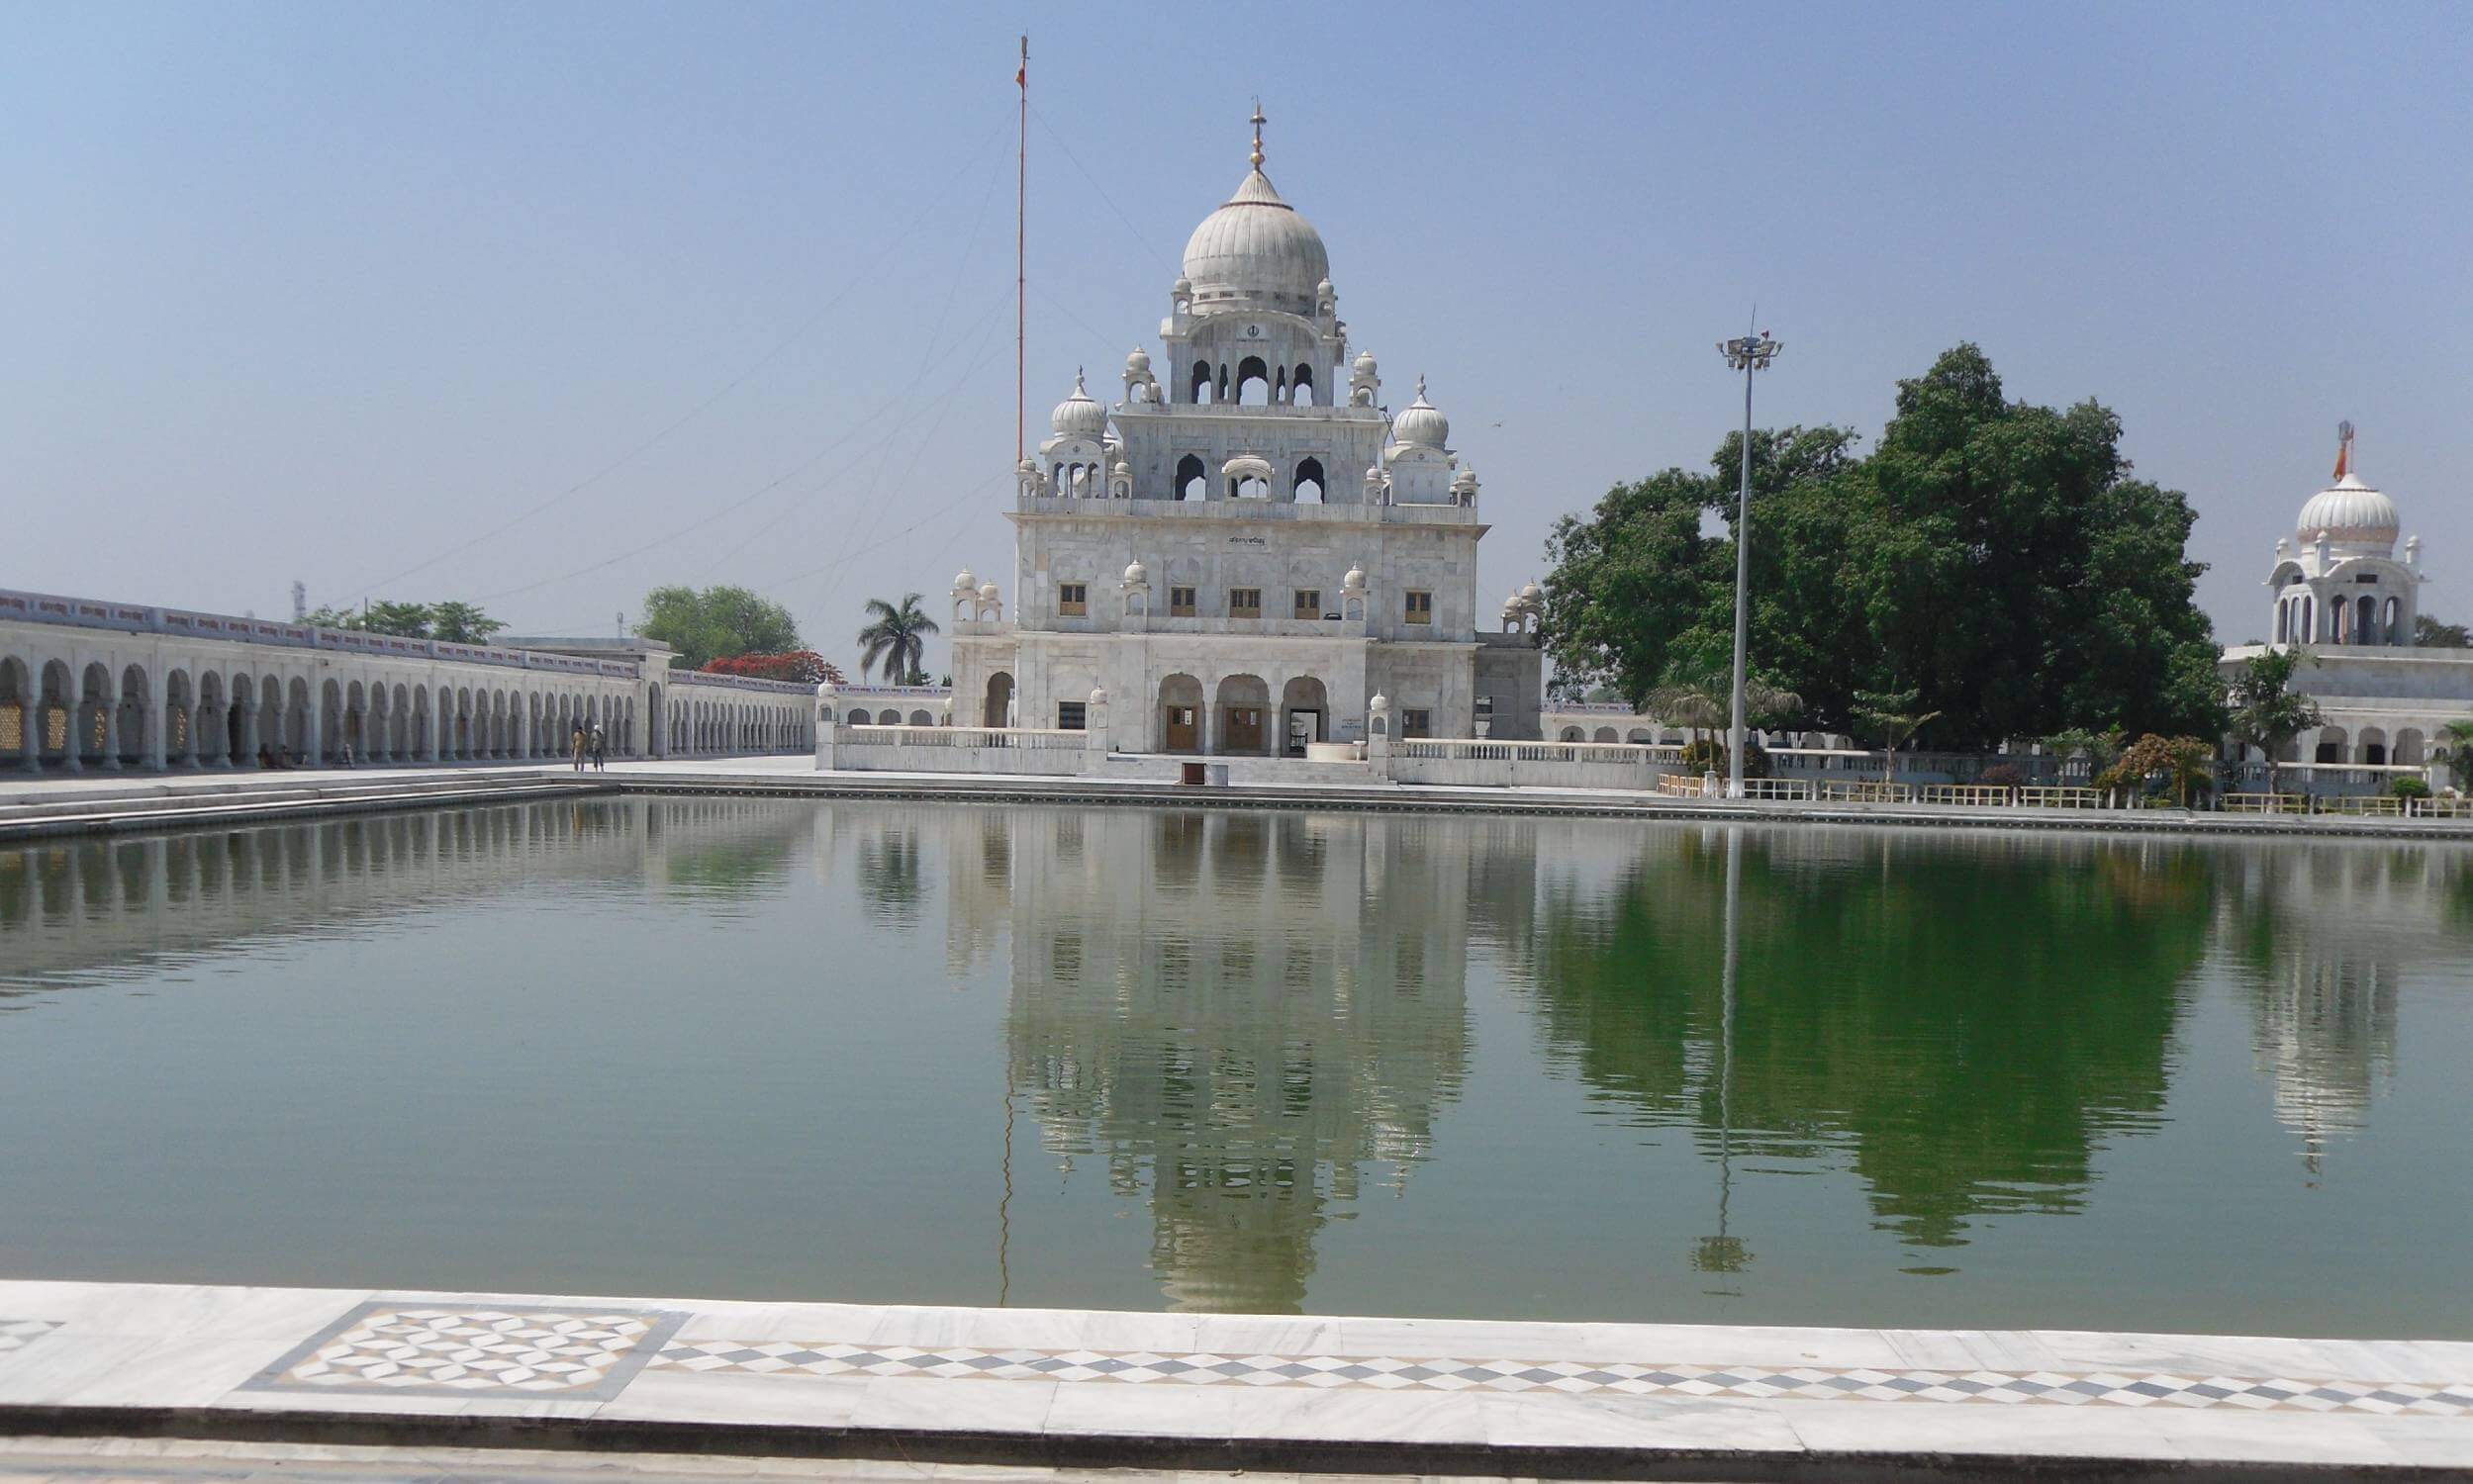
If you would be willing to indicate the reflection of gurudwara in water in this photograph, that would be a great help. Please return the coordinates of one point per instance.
(1251, 1068)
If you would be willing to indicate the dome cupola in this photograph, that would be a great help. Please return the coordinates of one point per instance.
(1256, 250)
(1078, 416)
(1421, 425)
(2349, 512)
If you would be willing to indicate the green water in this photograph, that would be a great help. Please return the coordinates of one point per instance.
(1252, 1061)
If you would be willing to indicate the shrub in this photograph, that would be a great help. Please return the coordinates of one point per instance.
(2004, 775)
(1708, 755)
(2408, 786)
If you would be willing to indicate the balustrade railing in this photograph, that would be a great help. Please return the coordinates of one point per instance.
(1873, 791)
(1037, 739)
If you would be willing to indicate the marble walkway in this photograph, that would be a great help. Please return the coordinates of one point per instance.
(1095, 1389)
(55, 806)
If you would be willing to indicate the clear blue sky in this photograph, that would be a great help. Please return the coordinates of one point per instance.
(337, 291)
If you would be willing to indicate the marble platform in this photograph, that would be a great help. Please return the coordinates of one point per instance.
(1085, 1389)
(53, 805)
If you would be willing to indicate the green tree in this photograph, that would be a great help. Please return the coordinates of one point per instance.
(716, 623)
(460, 623)
(1994, 557)
(2265, 711)
(896, 636)
(2430, 633)
(1893, 718)
(454, 622)
(2455, 746)
(1626, 581)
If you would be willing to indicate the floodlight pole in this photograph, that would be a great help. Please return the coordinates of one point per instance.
(1745, 354)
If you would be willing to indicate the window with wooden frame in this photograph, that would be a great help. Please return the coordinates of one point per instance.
(1309, 604)
(1414, 722)
(1180, 602)
(1245, 603)
(1420, 607)
(1073, 599)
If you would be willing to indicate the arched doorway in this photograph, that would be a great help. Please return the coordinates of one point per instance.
(999, 700)
(1180, 715)
(1304, 714)
(1244, 705)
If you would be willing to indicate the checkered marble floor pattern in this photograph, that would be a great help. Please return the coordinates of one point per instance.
(549, 1353)
(17, 1334)
(2052, 1388)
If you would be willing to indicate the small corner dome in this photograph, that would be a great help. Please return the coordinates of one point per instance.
(965, 581)
(1354, 580)
(1532, 594)
(1139, 363)
(1323, 290)
(1256, 247)
(1421, 424)
(1364, 364)
(1181, 287)
(1078, 416)
(988, 591)
(1136, 574)
(2350, 512)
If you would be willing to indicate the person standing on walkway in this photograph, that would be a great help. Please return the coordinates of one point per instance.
(575, 745)
(601, 750)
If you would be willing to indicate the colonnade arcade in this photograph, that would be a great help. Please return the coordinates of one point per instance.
(72, 710)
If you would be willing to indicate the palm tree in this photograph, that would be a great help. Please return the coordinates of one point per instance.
(2455, 748)
(1707, 701)
(897, 637)
(1892, 714)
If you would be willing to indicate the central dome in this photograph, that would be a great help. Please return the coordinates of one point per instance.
(1256, 249)
(2351, 514)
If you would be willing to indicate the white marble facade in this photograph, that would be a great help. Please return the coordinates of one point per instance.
(94, 686)
(2339, 590)
(1249, 547)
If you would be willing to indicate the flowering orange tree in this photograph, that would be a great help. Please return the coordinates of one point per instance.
(803, 666)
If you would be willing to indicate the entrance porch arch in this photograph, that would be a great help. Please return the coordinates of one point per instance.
(1304, 714)
(1242, 710)
(1180, 715)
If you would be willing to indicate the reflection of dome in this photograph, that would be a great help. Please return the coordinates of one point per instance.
(1255, 246)
(1421, 424)
(2349, 512)
(1079, 417)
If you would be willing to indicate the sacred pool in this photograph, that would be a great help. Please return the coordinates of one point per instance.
(1267, 1060)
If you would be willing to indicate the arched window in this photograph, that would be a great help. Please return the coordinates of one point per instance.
(1199, 389)
(1302, 386)
(1308, 476)
(1192, 479)
(2393, 628)
(1252, 375)
(2283, 619)
(2366, 621)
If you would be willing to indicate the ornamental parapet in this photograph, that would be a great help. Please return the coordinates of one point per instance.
(182, 623)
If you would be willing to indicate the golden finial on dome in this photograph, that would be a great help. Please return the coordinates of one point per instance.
(2344, 449)
(1258, 121)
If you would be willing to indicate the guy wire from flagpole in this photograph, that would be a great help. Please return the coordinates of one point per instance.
(1021, 277)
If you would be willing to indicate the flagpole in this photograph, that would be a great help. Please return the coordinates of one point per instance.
(1021, 278)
